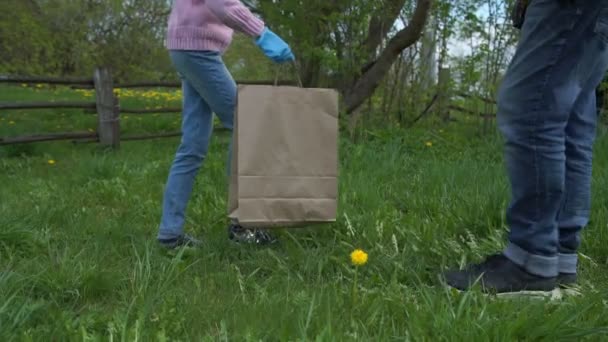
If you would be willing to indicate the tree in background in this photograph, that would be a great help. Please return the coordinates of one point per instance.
(71, 37)
(383, 56)
(345, 44)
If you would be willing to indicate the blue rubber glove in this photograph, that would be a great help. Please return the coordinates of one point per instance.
(274, 47)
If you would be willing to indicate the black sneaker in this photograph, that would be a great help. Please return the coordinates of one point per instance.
(240, 234)
(499, 275)
(182, 241)
(567, 279)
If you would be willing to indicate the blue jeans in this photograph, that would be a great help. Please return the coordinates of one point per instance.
(547, 115)
(207, 88)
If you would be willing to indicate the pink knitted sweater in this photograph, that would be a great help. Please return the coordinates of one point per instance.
(209, 24)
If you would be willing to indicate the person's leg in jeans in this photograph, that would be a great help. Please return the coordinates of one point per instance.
(207, 88)
(575, 210)
(549, 73)
(580, 136)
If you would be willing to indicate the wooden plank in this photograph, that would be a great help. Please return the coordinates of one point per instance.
(470, 112)
(45, 80)
(172, 84)
(163, 135)
(46, 105)
(151, 136)
(426, 110)
(107, 109)
(149, 84)
(148, 136)
(150, 111)
(46, 137)
(469, 96)
(134, 137)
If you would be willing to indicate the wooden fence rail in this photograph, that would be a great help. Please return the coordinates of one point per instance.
(171, 84)
(48, 137)
(481, 98)
(47, 105)
(106, 106)
(108, 109)
(46, 80)
(150, 111)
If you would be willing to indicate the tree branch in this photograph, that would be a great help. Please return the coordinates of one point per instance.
(369, 80)
(381, 23)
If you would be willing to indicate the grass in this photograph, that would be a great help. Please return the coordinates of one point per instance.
(78, 260)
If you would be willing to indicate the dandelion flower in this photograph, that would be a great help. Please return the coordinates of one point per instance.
(51, 162)
(358, 257)
(429, 144)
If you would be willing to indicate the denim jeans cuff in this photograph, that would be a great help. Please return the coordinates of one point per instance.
(568, 263)
(536, 264)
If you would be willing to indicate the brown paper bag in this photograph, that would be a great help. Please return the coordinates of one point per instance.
(284, 167)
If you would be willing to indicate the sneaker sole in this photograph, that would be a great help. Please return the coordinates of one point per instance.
(555, 294)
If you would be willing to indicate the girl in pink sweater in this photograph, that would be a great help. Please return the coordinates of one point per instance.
(199, 32)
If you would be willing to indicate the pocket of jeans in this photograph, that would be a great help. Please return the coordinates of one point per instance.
(601, 26)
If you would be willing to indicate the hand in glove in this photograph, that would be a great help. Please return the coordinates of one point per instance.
(274, 47)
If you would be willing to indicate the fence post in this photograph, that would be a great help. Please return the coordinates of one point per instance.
(107, 109)
(443, 92)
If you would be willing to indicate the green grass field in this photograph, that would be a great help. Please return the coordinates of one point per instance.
(78, 259)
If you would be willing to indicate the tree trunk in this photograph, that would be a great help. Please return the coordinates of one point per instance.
(395, 85)
(381, 23)
(365, 85)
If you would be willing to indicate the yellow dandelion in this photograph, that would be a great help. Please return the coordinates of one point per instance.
(429, 144)
(39, 85)
(51, 162)
(24, 85)
(358, 257)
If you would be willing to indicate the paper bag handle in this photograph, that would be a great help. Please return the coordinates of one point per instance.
(296, 71)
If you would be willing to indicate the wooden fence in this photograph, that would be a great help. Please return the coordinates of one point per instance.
(108, 108)
(106, 105)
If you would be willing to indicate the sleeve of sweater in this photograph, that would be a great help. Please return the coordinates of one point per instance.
(236, 16)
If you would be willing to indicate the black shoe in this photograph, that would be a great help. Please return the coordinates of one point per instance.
(240, 234)
(499, 275)
(567, 279)
(181, 241)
